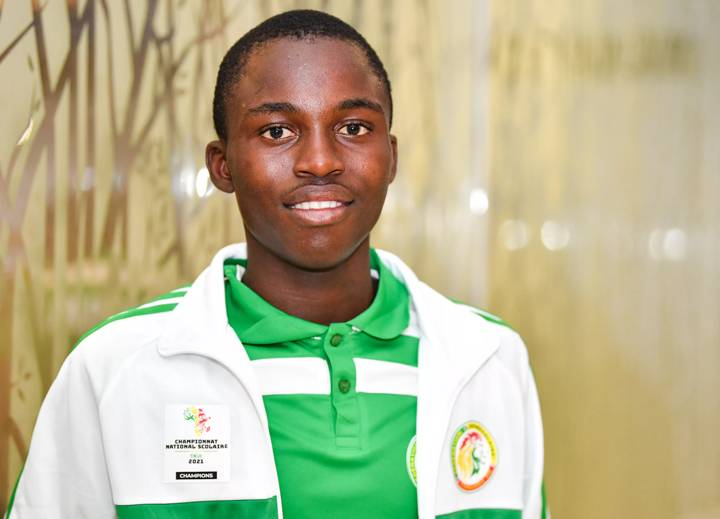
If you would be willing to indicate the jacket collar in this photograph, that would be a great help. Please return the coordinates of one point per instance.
(199, 321)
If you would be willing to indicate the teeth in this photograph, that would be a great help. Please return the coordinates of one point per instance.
(324, 204)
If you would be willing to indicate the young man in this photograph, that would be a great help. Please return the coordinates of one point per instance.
(303, 374)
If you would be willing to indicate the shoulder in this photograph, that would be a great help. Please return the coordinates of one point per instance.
(138, 319)
(107, 344)
(512, 350)
(484, 314)
(157, 306)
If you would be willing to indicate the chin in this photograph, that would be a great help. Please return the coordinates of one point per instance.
(321, 257)
(318, 250)
(322, 252)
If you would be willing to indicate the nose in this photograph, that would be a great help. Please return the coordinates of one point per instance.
(318, 155)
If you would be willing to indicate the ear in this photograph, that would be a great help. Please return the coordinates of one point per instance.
(393, 148)
(217, 166)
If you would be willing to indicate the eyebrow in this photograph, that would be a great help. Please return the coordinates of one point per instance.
(269, 108)
(361, 102)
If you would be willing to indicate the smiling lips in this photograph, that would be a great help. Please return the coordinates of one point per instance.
(319, 205)
(314, 205)
(319, 212)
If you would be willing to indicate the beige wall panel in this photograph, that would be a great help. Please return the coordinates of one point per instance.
(604, 178)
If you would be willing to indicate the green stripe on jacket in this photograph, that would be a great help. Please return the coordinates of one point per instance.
(240, 509)
(483, 513)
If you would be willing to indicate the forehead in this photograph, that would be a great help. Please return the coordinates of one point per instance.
(309, 73)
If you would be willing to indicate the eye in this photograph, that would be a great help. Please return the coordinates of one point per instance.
(354, 129)
(276, 133)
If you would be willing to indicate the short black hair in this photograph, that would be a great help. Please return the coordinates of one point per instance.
(297, 24)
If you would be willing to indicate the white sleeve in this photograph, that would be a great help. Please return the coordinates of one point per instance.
(535, 506)
(65, 475)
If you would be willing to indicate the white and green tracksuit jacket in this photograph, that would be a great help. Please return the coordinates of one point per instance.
(111, 439)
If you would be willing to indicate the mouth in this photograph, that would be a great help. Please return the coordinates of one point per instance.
(315, 213)
(319, 205)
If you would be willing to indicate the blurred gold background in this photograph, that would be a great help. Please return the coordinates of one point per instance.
(559, 166)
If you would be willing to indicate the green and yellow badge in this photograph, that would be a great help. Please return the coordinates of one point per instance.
(410, 460)
(473, 456)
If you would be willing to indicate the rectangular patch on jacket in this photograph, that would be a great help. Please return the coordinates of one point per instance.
(197, 443)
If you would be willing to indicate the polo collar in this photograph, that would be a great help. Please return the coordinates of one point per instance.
(258, 322)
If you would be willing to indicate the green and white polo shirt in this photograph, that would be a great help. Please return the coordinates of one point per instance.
(340, 400)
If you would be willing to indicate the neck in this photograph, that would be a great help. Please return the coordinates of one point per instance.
(333, 295)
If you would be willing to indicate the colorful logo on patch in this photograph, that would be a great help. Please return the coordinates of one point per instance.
(473, 456)
(199, 419)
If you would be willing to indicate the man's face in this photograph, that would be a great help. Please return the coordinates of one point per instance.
(308, 152)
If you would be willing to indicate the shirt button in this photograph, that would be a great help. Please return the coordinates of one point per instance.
(344, 385)
(336, 339)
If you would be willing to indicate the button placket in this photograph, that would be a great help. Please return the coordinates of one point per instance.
(337, 345)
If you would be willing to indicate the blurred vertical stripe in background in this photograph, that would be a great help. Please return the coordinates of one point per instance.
(559, 166)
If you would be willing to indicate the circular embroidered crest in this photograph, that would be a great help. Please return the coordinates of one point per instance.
(473, 456)
(410, 460)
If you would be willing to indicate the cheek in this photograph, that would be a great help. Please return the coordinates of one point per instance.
(377, 155)
(255, 175)
(376, 174)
